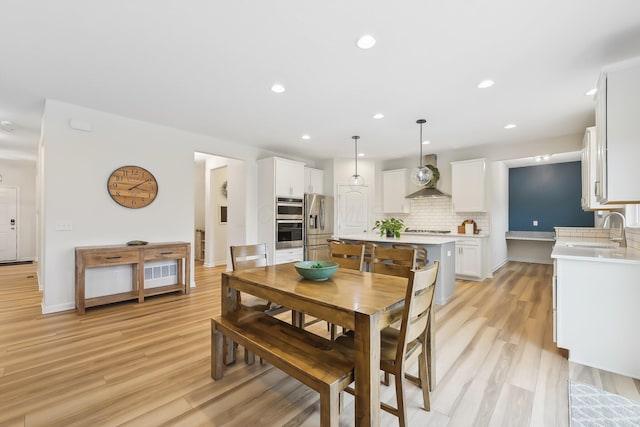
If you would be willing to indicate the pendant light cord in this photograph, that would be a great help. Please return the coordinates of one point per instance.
(421, 122)
(356, 153)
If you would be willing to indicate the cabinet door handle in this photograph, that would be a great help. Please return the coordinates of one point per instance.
(166, 253)
(596, 188)
(113, 257)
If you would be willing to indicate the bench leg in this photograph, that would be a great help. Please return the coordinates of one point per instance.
(330, 407)
(217, 353)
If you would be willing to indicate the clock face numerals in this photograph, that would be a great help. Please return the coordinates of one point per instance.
(132, 187)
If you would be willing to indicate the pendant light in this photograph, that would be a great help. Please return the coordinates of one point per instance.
(356, 179)
(422, 174)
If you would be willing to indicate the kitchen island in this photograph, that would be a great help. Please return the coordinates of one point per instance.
(439, 248)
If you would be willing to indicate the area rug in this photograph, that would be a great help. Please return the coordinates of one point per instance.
(590, 406)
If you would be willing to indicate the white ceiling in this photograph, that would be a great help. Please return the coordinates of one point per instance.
(207, 67)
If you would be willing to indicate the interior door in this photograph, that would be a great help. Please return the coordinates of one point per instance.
(8, 225)
(353, 209)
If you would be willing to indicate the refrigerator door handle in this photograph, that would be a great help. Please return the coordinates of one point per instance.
(322, 213)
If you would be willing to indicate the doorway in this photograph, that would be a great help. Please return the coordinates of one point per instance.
(220, 208)
(8, 225)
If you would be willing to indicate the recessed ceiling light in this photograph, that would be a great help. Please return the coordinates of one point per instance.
(360, 154)
(366, 41)
(591, 92)
(426, 142)
(378, 116)
(538, 159)
(546, 157)
(305, 136)
(485, 84)
(510, 126)
(277, 88)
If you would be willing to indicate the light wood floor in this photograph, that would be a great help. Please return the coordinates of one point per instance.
(148, 364)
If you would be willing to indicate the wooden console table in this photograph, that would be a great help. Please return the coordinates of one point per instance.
(105, 256)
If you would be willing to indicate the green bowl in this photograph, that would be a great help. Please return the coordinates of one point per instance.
(316, 270)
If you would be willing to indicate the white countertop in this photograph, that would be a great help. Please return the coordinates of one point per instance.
(421, 239)
(543, 236)
(615, 255)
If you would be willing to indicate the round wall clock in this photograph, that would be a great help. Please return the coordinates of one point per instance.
(132, 187)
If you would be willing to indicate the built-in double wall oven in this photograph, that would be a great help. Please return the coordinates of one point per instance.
(289, 217)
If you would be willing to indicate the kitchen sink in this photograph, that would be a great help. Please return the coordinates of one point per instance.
(592, 245)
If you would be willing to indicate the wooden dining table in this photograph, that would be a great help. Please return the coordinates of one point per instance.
(362, 302)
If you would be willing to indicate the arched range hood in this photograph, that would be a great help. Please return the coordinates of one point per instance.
(429, 190)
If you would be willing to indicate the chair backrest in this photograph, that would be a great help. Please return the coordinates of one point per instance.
(391, 261)
(247, 256)
(348, 255)
(421, 253)
(368, 250)
(417, 307)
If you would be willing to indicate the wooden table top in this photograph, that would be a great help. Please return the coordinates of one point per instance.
(347, 290)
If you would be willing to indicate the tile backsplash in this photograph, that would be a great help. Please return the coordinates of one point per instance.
(633, 237)
(437, 214)
(587, 233)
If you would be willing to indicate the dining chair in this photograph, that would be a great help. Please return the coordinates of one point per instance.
(392, 261)
(421, 253)
(400, 347)
(349, 256)
(248, 256)
(368, 250)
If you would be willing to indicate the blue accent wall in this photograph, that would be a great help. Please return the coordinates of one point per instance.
(549, 194)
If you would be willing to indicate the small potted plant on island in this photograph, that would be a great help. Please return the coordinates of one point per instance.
(389, 226)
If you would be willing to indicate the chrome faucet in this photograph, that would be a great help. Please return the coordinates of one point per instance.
(622, 239)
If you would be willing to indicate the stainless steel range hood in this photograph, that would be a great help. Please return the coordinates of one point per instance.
(428, 191)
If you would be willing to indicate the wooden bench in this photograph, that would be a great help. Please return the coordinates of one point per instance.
(317, 362)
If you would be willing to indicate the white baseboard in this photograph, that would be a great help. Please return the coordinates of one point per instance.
(47, 309)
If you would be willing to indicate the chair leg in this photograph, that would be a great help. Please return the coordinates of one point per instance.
(386, 378)
(249, 357)
(423, 371)
(402, 411)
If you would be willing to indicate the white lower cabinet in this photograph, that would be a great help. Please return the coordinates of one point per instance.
(288, 255)
(470, 256)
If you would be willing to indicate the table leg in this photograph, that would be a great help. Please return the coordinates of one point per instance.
(367, 369)
(187, 271)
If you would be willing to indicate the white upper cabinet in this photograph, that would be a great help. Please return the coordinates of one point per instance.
(618, 134)
(468, 186)
(313, 181)
(589, 178)
(289, 177)
(394, 190)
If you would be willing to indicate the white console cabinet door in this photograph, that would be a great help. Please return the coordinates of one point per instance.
(313, 180)
(617, 130)
(394, 190)
(289, 177)
(468, 186)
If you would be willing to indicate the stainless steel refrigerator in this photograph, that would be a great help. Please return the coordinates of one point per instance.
(318, 226)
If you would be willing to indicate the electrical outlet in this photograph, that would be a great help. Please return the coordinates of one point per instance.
(535, 222)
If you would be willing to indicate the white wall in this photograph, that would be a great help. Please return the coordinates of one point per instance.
(220, 245)
(499, 218)
(199, 194)
(21, 174)
(76, 166)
